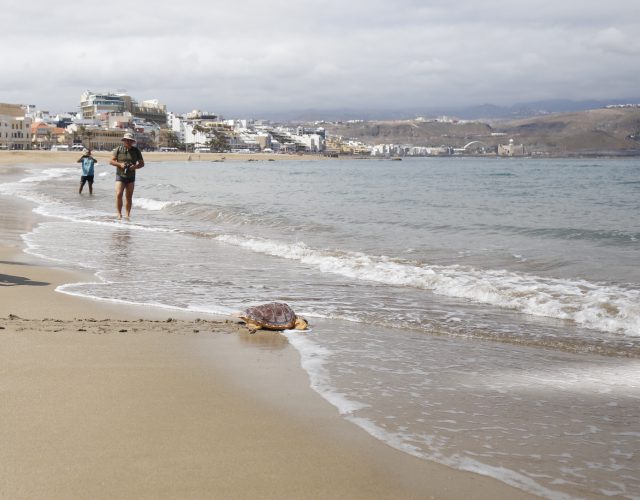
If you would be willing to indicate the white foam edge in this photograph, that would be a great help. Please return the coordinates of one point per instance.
(154, 205)
(507, 476)
(312, 359)
(67, 290)
(533, 295)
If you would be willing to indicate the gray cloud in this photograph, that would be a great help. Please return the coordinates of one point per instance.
(253, 57)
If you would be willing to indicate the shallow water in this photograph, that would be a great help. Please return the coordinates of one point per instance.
(482, 313)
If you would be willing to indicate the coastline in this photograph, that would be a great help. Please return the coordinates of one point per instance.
(108, 401)
(103, 157)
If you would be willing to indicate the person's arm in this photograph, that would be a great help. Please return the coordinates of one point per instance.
(114, 159)
(140, 162)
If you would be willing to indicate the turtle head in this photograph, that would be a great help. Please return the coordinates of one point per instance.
(301, 323)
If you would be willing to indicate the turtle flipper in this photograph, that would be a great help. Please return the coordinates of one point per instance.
(253, 326)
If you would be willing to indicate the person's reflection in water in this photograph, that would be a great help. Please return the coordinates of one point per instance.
(120, 244)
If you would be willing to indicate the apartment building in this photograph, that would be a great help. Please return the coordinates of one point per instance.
(46, 136)
(15, 127)
(94, 105)
(103, 139)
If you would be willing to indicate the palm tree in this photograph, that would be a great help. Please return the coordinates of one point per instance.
(197, 128)
(85, 136)
(89, 135)
(219, 142)
(167, 138)
(47, 138)
(79, 133)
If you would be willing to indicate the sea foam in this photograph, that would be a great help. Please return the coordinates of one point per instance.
(154, 205)
(596, 306)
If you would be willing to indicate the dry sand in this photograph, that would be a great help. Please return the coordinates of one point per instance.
(105, 401)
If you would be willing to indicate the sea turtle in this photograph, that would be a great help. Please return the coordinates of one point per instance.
(272, 316)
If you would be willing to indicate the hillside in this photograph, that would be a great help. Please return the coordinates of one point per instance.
(587, 132)
(593, 132)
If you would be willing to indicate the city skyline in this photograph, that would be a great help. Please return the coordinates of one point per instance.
(266, 58)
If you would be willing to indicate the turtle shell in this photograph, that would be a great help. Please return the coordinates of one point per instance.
(273, 316)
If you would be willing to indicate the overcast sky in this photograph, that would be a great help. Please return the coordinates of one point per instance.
(250, 57)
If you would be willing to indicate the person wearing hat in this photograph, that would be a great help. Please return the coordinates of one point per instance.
(88, 162)
(127, 159)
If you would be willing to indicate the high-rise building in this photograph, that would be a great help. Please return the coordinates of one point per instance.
(93, 105)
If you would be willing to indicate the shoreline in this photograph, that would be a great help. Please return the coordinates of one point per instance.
(70, 157)
(103, 157)
(105, 400)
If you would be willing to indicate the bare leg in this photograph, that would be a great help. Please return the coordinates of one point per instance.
(129, 197)
(119, 193)
(90, 187)
(81, 186)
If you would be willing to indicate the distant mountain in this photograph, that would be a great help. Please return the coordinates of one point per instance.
(591, 132)
(535, 108)
(479, 112)
(342, 114)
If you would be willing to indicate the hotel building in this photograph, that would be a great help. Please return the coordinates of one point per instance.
(94, 105)
(15, 127)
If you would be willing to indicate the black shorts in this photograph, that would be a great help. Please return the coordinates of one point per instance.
(86, 178)
(124, 180)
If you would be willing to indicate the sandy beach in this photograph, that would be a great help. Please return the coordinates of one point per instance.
(103, 157)
(102, 400)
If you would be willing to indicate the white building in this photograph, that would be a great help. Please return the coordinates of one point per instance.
(511, 149)
(314, 143)
(386, 150)
(15, 127)
(94, 104)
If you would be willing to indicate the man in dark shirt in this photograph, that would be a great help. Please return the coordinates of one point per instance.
(127, 159)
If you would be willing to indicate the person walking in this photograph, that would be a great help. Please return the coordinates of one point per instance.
(88, 162)
(127, 159)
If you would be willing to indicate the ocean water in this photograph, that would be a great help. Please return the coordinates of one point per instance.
(482, 313)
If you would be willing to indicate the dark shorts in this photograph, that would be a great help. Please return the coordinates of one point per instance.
(124, 180)
(86, 178)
